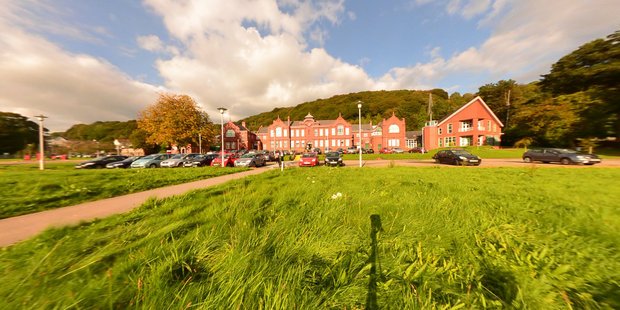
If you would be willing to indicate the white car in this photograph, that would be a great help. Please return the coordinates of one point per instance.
(178, 160)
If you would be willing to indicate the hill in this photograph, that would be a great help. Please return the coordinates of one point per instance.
(376, 105)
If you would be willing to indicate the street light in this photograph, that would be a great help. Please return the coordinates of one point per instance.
(222, 111)
(359, 108)
(41, 141)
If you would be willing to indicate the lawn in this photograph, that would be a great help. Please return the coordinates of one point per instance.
(316, 238)
(25, 189)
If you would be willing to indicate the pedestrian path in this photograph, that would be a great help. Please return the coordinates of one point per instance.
(15, 229)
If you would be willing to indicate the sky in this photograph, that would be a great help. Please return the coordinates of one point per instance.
(81, 61)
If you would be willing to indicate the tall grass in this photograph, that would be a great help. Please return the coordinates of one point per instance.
(399, 238)
(25, 189)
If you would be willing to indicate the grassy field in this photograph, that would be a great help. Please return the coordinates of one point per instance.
(25, 189)
(317, 238)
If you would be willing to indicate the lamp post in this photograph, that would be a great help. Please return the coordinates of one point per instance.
(359, 109)
(41, 141)
(199, 143)
(222, 111)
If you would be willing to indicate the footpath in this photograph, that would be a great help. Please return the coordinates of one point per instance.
(19, 228)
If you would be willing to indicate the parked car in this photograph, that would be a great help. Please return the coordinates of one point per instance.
(457, 157)
(563, 156)
(177, 160)
(333, 159)
(125, 163)
(352, 150)
(150, 161)
(317, 150)
(250, 160)
(416, 150)
(229, 160)
(200, 160)
(397, 150)
(368, 151)
(385, 150)
(309, 159)
(99, 162)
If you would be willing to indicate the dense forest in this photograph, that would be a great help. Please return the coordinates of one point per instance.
(576, 103)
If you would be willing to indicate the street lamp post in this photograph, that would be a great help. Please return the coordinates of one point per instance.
(222, 111)
(41, 141)
(199, 143)
(359, 108)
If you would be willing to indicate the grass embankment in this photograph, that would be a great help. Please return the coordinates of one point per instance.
(315, 238)
(25, 189)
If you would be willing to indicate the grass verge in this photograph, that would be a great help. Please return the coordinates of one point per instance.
(27, 190)
(401, 238)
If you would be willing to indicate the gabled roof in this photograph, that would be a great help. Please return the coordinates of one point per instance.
(467, 105)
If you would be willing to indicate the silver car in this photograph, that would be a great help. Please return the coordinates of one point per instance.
(250, 160)
(178, 159)
(150, 161)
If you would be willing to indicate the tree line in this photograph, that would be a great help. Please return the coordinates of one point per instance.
(576, 102)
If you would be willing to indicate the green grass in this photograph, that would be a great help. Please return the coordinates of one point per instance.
(395, 238)
(25, 189)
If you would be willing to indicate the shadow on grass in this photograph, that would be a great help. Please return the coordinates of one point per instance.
(375, 227)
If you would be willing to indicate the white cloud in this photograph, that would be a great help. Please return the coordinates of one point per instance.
(528, 36)
(150, 43)
(40, 78)
(225, 64)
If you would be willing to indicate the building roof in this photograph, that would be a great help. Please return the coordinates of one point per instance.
(467, 105)
(413, 134)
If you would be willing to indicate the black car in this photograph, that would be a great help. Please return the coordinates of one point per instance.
(200, 160)
(125, 163)
(563, 156)
(457, 157)
(99, 162)
(333, 159)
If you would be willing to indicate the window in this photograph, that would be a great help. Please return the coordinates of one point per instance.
(271, 134)
(489, 125)
(347, 131)
(333, 131)
(393, 129)
(303, 132)
(449, 129)
(439, 130)
(278, 131)
(340, 129)
(449, 141)
(316, 132)
(440, 142)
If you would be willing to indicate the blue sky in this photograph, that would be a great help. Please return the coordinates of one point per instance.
(80, 61)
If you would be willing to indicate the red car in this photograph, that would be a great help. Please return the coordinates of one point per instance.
(385, 151)
(229, 160)
(309, 159)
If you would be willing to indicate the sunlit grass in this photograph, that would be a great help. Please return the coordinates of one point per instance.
(25, 189)
(303, 239)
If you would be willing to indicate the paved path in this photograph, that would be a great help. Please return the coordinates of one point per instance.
(15, 229)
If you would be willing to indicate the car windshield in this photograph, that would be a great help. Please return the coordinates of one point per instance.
(249, 155)
(333, 154)
(177, 156)
(461, 152)
(308, 155)
(150, 156)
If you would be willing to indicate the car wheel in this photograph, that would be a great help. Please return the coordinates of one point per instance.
(152, 166)
(527, 159)
(565, 161)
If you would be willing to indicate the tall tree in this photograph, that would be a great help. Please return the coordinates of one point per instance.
(175, 119)
(593, 70)
(16, 132)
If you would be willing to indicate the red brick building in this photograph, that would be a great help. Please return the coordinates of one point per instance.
(472, 124)
(330, 134)
(237, 137)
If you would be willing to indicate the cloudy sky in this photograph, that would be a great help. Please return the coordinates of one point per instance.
(80, 61)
